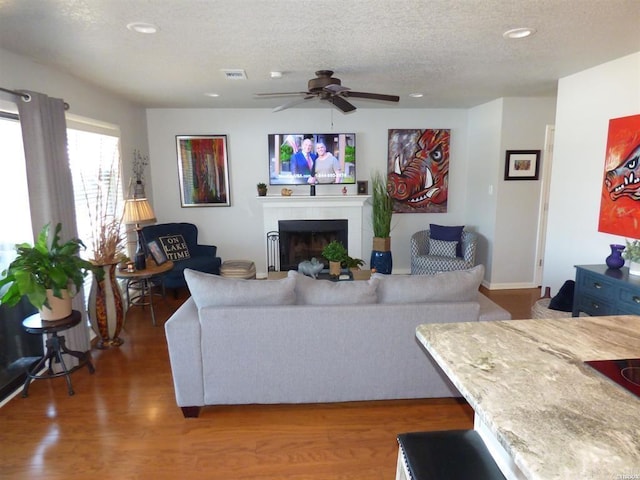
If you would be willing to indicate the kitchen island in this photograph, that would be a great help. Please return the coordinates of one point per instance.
(544, 413)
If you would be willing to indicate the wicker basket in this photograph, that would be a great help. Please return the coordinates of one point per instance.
(541, 309)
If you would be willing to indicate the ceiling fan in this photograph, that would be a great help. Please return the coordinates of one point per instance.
(327, 87)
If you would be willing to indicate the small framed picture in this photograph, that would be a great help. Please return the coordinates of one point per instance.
(363, 187)
(522, 165)
(157, 252)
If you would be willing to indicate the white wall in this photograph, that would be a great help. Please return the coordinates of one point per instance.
(483, 176)
(586, 103)
(522, 128)
(85, 100)
(237, 230)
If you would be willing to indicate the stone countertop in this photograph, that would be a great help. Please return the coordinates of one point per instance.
(555, 416)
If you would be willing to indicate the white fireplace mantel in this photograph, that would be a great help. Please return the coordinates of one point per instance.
(321, 207)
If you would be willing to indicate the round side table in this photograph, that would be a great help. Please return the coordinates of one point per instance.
(142, 280)
(55, 348)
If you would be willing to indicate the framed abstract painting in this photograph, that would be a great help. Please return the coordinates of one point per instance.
(203, 170)
(620, 194)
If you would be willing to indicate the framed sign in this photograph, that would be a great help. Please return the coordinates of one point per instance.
(522, 165)
(203, 170)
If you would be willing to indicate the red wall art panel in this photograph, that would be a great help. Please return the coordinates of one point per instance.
(620, 199)
(418, 170)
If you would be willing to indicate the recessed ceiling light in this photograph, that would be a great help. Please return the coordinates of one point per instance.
(212, 95)
(142, 27)
(519, 33)
(276, 74)
(416, 95)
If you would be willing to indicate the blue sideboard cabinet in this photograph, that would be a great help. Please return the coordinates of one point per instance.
(603, 291)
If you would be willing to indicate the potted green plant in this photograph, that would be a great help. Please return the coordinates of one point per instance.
(262, 189)
(44, 272)
(335, 253)
(352, 263)
(632, 253)
(381, 213)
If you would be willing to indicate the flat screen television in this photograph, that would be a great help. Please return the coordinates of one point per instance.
(331, 158)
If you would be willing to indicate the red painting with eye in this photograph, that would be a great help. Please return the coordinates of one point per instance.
(620, 197)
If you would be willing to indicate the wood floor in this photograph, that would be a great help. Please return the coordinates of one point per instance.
(123, 423)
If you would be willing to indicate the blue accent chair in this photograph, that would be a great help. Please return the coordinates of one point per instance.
(202, 257)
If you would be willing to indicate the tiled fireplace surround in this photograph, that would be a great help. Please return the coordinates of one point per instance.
(329, 207)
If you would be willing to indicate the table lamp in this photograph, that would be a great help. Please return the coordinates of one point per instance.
(137, 211)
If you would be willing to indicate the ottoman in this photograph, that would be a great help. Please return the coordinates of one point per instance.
(238, 269)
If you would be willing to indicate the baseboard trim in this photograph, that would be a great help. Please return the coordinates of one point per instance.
(507, 286)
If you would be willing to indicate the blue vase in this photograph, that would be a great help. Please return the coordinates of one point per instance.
(381, 261)
(615, 260)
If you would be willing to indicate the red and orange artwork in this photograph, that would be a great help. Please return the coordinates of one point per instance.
(620, 198)
(418, 170)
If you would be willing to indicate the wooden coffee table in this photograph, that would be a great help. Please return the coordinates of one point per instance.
(142, 280)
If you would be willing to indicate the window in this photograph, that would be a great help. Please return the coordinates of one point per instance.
(13, 190)
(94, 158)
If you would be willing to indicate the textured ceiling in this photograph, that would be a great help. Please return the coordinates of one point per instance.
(452, 51)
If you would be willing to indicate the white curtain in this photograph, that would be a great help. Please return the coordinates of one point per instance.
(44, 132)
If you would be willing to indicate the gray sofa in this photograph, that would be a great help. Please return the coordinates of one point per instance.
(299, 340)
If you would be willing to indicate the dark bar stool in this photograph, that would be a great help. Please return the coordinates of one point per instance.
(55, 348)
(445, 455)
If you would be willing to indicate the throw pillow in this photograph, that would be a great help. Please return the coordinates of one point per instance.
(442, 248)
(175, 247)
(456, 286)
(449, 234)
(327, 292)
(210, 290)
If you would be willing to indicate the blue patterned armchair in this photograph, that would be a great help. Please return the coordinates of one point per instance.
(431, 256)
(188, 253)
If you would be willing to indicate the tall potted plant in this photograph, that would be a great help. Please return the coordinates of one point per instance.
(381, 212)
(45, 273)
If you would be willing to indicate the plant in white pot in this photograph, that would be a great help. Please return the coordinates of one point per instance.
(45, 273)
(632, 253)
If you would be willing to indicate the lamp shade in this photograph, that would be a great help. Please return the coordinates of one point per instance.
(138, 210)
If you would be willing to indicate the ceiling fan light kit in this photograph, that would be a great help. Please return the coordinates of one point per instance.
(327, 87)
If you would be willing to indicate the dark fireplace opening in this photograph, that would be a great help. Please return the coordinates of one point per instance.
(304, 239)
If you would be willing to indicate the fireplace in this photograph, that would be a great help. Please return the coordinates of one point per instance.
(277, 208)
(304, 239)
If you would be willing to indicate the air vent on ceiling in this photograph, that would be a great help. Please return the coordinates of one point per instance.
(234, 74)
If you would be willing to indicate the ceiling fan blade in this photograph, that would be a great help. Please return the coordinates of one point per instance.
(341, 103)
(280, 94)
(373, 96)
(292, 103)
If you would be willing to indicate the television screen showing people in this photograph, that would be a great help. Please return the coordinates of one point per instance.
(312, 158)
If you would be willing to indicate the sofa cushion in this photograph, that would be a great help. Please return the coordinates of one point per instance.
(327, 292)
(175, 247)
(456, 286)
(214, 291)
(442, 248)
(447, 233)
